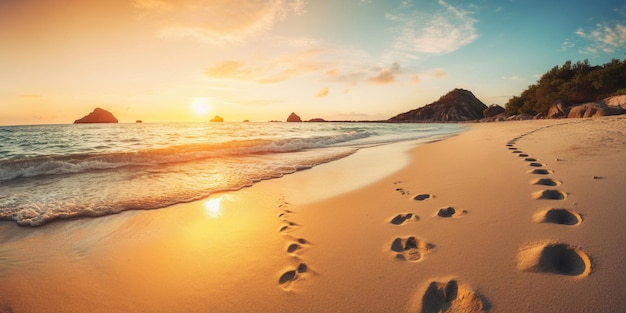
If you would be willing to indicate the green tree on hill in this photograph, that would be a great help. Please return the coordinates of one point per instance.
(571, 83)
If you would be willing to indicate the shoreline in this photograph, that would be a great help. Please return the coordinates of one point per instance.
(287, 245)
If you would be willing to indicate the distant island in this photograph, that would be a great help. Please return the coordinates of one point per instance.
(293, 117)
(217, 119)
(97, 116)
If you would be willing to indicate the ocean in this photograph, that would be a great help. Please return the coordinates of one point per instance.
(52, 172)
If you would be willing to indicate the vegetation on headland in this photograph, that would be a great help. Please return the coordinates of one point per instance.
(572, 83)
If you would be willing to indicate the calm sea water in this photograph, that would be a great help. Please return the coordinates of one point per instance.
(63, 171)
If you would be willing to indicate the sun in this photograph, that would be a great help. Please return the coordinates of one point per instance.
(200, 106)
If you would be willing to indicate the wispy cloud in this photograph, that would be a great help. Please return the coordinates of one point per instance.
(270, 71)
(231, 69)
(443, 32)
(217, 22)
(323, 93)
(604, 38)
(386, 75)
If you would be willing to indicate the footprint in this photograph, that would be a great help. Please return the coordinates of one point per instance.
(558, 216)
(517, 151)
(450, 212)
(541, 171)
(549, 194)
(402, 218)
(288, 227)
(410, 249)
(522, 155)
(292, 275)
(422, 197)
(450, 297)
(556, 258)
(536, 164)
(401, 190)
(284, 213)
(287, 277)
(546, 182)
(293, 247)
(530, 159)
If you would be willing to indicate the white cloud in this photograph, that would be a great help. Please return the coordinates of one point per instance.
(439, 33)
(604, 38)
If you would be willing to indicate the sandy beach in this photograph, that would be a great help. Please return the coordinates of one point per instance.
(524, 216)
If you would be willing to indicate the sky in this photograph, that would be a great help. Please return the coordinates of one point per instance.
(260, 60)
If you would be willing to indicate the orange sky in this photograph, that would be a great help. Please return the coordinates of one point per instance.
(263, 59)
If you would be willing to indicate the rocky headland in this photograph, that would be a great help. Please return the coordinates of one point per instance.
(459, 105)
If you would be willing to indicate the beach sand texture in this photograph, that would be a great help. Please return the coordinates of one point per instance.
(521, 216)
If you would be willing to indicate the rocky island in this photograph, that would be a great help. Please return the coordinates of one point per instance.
(217, 119)
(97, 116)
(293, 117)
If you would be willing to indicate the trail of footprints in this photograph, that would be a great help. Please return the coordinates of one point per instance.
(447, 296)
(295, 247)
(411, 248)
(549, 256)
(544, 257)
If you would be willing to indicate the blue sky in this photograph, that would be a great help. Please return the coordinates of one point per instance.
(262, 59)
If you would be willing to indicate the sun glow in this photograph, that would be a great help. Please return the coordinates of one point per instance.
(213, 207)
(200, 106)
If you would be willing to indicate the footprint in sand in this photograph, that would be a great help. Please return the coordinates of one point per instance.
(558, 216)
(450, 212)
(549, 194)
(546, 182)
(401, 190)
(297, 246)
(450, 297)
(541, 171)
(289, 226)
(294, 249)
(292, 275)
(284, 213)
(283, 216)
(555, 258)
(423, 196)
(410, 249)
(536, 164)
(404, 218)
